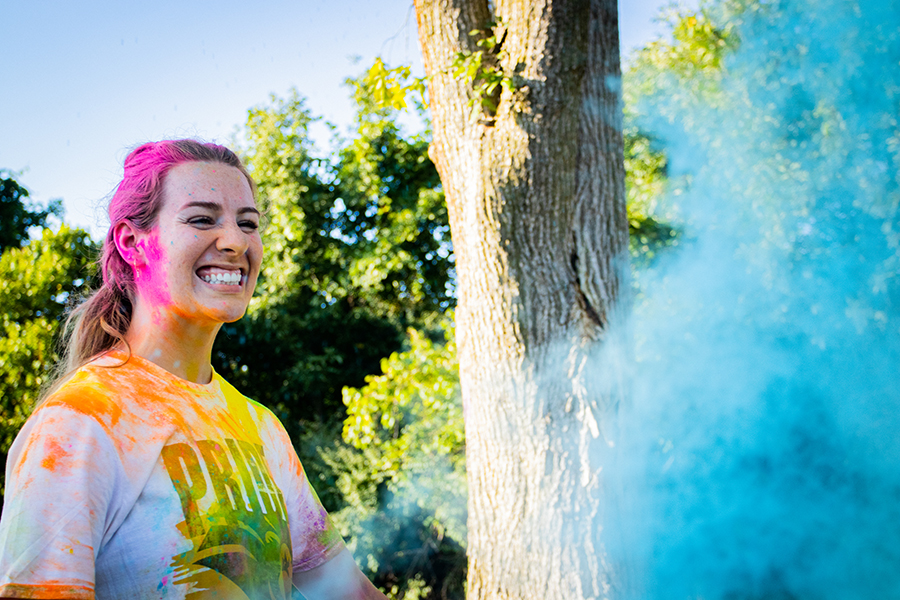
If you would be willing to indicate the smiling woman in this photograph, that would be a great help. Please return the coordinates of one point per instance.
(143, 473)
(197, 268)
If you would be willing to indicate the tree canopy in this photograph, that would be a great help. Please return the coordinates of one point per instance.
(36, 283)
(17, 215)
(355, 253)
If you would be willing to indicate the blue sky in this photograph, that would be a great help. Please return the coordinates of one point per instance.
(86, 81)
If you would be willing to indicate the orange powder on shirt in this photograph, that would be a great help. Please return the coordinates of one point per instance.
(50, 591)
(55, 452)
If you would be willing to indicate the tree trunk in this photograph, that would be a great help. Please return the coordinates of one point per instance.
(537, 213)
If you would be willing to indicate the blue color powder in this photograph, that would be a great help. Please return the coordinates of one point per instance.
(760, 452)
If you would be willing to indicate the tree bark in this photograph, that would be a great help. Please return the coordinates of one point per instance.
(537, 212)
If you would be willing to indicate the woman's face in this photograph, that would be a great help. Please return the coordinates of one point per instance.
(202, 259)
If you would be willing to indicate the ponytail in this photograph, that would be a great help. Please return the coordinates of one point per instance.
(99, 323)
(96, 326)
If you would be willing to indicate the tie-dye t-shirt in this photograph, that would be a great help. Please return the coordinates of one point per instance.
(129, 482)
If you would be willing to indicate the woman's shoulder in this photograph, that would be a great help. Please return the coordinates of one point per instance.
(103, 387)
(93, 389)
(235, 396)
(239, 402)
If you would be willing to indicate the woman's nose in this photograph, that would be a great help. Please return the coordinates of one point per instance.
(233, 239)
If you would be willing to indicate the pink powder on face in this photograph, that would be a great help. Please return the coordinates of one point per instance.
(150, 278)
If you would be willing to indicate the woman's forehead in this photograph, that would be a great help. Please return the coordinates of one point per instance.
(206, 182)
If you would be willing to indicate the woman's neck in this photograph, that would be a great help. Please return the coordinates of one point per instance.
(180, 346)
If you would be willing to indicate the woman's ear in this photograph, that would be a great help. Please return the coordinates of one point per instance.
(125, 236)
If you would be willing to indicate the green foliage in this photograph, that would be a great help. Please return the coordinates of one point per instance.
(772, 128)
(690, 67)
(402, 471)
(699, 45)
(16, 216)
(386, 88)
(392, 214)
(411, 415)
(296, 200)
(482, 68)
(645, 184)
(356, 251)
(35, 282)
(383, 89)
(302, 337)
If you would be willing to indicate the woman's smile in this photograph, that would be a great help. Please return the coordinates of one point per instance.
(216, 276)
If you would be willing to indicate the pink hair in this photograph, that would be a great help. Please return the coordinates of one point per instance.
(99, 323)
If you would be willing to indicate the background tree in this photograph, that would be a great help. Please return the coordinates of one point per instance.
(354, 255)
(528, 142)
(356, 252)
(36, 281)
(401, 472)
(17, 215)
(303, 337)
(389, 413)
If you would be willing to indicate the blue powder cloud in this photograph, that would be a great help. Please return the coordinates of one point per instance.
(760, 451)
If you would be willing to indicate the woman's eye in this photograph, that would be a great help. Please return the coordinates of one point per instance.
(248, 225)
(201, 221)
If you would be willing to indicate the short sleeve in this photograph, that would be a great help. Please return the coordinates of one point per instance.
(314, 538)
(60, 479)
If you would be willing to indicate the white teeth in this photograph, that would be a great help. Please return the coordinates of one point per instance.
(226, 278)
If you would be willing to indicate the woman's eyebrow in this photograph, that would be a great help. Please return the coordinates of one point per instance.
(207, 205)
(215, 206)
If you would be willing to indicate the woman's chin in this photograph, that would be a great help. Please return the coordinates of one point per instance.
(233, 318)
(229, 316)
(214, 314)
